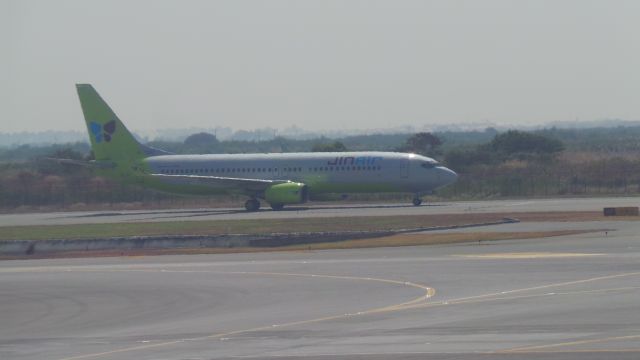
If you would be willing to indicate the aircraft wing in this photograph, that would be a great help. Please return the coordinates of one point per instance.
(221, 182)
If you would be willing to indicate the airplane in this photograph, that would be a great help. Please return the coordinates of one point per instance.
(278, 178)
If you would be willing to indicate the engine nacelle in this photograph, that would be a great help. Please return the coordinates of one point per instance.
(287, 193)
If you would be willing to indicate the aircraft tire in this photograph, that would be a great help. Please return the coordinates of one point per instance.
(252, 205)
(417, 201)
(277, 207)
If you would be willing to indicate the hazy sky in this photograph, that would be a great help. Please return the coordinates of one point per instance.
(319, 64)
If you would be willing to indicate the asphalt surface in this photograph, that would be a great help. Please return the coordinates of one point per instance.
(316, 210)
(571, 297)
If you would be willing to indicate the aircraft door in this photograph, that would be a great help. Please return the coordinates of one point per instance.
(404, 168)
(285, 171)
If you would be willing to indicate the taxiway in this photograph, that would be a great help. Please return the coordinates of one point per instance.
(570, 297)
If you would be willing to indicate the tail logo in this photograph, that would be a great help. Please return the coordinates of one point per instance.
(103, 132)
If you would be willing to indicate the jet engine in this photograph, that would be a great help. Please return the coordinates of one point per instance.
(287, 193)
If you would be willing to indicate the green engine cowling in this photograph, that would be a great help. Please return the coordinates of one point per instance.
(287, 193)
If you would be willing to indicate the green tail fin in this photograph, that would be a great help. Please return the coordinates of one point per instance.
(110, 139)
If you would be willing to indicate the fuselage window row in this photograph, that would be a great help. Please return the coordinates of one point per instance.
(245, 170)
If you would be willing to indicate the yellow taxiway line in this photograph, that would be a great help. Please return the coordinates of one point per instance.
(428, 292)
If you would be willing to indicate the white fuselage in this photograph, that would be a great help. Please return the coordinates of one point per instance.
(322, 172)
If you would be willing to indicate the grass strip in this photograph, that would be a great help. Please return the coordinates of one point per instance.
(253, 226)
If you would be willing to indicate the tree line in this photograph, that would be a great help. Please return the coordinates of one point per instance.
(490, 163)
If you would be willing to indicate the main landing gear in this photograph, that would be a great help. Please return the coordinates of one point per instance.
(277, 207)
(252, 205)
(417, 201)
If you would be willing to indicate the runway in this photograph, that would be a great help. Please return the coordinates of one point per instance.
(571, 297)
(316, 210)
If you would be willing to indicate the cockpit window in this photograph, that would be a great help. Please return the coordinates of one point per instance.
(429, 165)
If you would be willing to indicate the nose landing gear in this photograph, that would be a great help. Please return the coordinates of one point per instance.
(417, 201)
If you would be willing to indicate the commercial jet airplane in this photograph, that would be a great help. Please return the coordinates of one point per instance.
(279, 179)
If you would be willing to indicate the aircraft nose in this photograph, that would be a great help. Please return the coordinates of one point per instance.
(447, 176)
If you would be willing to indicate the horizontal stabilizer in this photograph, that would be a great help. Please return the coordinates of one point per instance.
(92, 163)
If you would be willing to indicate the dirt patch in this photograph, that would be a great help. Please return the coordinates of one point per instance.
(440, 239)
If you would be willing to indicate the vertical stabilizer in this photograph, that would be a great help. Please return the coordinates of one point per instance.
(110, 139)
